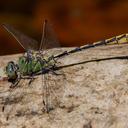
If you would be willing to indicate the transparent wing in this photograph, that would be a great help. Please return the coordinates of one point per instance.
(25, 99)
(52, 91)
(25, 41)
(21, 100)
(49, 39)
(15, 95)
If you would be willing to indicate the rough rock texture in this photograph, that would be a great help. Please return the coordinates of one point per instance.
(88, 95)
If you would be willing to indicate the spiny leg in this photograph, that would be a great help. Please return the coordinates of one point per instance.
(15, 82)
(32, 78)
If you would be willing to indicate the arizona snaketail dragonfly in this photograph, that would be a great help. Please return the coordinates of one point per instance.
(34, 61)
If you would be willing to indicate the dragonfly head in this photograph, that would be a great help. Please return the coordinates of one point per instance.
(11, 71)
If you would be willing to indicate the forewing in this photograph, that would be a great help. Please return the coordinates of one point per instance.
(25, 41)
(49, 39)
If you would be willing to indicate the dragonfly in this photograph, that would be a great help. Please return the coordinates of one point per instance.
(34, 61)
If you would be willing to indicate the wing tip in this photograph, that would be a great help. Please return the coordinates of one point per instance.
(5, 26)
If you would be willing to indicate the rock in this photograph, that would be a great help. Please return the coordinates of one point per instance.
(87, 94)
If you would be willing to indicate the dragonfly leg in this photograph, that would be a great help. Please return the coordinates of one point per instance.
(52, 58)
(32, 78)
(55, 73)
(15, 83)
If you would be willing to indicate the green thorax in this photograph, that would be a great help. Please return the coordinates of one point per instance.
(34, 65)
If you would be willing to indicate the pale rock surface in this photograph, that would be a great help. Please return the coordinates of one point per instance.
(87, 95)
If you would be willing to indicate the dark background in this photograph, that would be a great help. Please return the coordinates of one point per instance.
(76, 22)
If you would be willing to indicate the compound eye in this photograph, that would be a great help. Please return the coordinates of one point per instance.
(11, 66)
(11, 70)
